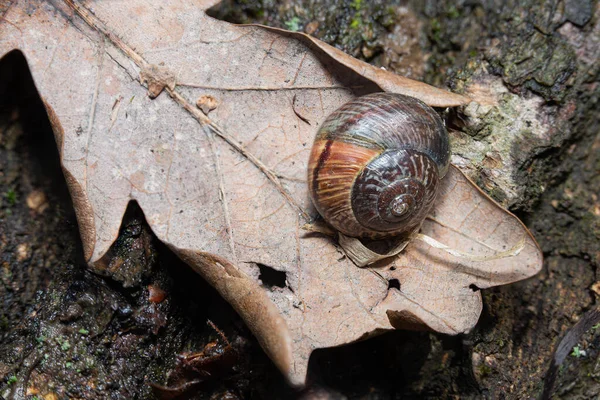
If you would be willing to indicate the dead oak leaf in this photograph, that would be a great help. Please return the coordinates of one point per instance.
(229, 193)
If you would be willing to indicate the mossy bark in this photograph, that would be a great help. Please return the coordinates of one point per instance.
(531, 140)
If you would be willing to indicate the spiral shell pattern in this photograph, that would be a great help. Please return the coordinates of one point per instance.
(376, 164)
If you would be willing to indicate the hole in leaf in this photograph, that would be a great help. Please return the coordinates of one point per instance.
(394, 283)
(474, 287)
(270, 277)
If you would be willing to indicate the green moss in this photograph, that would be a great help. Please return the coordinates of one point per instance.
(388, 17)
(4, 324)
(356, 4)
(11, 380)
(293, 24)
(11, 197)
(436, 29)
(453, 12)
(498, 194)
(64, 344)
(540, 62)
(484, 370)
(357, 21)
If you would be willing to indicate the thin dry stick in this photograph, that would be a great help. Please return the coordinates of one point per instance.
(219, 332)
(196, 113)
(98, 25)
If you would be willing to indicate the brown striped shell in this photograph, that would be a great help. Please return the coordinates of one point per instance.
(376, 163)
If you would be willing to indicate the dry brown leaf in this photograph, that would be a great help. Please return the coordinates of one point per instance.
(228, 192)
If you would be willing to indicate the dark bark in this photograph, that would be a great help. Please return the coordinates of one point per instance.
(70, 333)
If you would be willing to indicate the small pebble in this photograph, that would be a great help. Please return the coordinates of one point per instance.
(311, 27)
(156, 294)
(37, 201)
(23, 252)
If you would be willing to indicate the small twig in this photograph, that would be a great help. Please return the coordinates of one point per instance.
(219, 332)
(214, 128)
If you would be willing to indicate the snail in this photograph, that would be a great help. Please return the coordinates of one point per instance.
(376, 164)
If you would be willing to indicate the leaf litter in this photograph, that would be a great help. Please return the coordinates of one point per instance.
(227, 193)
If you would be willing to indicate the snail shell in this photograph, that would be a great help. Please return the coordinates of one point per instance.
(376, 163)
